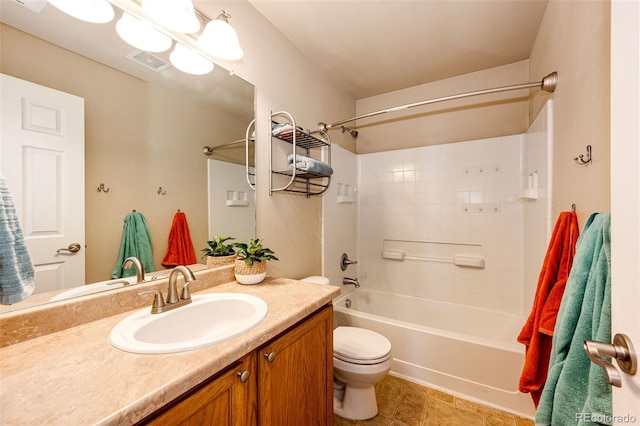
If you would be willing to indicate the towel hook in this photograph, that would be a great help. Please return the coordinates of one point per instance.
(581, 160)
(573, 207)
(162, 191)
(101, 188)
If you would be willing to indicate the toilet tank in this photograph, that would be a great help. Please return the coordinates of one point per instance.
(316, 279)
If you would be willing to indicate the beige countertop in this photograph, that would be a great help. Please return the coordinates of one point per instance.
(75, 377)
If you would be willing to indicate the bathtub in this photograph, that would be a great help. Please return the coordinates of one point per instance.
(465, 351)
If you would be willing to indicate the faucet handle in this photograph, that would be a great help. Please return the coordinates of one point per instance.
(158, 301)
(345, 261)
(186, 294)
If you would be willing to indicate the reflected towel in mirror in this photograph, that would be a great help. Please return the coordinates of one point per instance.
(180, 250)
(16, 269)
(136, 241)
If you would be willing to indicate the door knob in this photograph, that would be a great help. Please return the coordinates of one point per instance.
(72, 248)
(621, 350)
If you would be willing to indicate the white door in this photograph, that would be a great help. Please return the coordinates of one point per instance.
(625, 194)
(42, 158)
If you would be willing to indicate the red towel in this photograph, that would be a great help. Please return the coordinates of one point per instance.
(537, 333)
(180, 251)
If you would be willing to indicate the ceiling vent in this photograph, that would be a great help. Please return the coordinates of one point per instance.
(149, 60)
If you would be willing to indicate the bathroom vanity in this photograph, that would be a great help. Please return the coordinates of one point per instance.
(267, 385)
(74, 376)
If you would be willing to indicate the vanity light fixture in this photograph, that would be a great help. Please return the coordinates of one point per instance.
(141, 34)
(190, 61)
(95, 11)
(220, 40)
(153, 25)
(175, 15)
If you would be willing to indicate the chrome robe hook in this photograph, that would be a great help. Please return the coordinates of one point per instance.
(581, 160)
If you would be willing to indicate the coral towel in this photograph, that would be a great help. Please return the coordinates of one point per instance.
(537, 332)
(180, 251)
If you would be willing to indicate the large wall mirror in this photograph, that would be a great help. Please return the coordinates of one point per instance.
(144, 135)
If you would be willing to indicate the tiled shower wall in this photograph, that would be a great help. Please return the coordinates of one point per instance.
(465, 192)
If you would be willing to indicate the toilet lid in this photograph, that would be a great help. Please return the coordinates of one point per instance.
(359, 344)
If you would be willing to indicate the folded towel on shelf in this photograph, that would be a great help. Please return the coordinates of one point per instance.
(309, 164)
(16, 269)
(574, 384)
(280, 128)
(136, 241)
(537, 332)
(180, 250)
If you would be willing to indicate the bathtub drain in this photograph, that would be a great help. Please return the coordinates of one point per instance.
(347, 303)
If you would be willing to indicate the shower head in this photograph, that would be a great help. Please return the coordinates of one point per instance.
(353, 133)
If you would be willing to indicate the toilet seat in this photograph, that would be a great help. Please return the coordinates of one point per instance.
(360, 346)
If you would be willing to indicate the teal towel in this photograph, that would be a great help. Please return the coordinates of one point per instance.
(136, 241)
(577, 391)
(16, 270)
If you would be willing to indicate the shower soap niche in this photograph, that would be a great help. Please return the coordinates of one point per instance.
(346, 193)
(531, 191)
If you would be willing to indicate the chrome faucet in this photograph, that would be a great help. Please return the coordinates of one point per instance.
(137, 265)
(350, 281)
(173, 300)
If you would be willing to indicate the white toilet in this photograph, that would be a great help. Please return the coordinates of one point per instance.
(361, 358)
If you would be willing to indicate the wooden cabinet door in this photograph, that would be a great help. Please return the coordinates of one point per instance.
(295, 375)
(226, 400)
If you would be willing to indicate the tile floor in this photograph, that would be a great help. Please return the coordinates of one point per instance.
(402, 403)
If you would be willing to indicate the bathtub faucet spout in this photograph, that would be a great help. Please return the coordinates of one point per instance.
(350, 281)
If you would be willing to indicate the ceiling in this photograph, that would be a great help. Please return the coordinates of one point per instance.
(368, 47)
(373, 46)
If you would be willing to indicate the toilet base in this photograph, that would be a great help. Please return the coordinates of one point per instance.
(359, 403)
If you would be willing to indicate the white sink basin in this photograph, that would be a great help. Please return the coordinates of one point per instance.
(208, 319)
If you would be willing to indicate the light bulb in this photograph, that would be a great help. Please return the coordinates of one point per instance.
(95, 11)
(189, 61)
(219, 39)
(176, 15)
(141, 34)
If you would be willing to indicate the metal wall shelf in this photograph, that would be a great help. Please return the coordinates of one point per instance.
(300, 181)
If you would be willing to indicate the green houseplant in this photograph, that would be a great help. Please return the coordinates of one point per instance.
(251, 261)
(219, 252)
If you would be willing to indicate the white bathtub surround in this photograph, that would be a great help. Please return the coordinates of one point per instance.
(466, 351)
(463, 192)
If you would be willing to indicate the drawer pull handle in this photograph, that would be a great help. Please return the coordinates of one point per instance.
(243, 375)
(270, 356)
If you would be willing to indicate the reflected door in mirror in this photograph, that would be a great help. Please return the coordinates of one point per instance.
(43, 162)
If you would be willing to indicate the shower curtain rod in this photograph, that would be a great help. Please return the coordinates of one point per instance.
(548, 84)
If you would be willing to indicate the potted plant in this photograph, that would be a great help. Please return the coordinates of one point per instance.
(218, 253)
(251, 261)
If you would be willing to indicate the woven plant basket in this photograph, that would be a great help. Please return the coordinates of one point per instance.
(215, 261)
(246, 274)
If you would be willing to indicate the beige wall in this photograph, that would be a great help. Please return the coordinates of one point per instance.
(137, 137)
(574, 40)
(476, 117)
